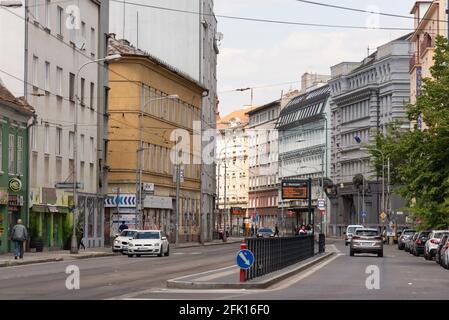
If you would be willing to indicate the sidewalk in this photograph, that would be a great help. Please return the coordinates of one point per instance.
(229, 277)
(7, 260)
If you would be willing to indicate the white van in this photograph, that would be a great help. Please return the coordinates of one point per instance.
(350, 230)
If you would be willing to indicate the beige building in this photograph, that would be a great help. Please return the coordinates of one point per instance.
(430, 21)
(232, 153)
(148, 101)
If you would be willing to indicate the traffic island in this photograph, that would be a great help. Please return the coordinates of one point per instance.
(229, 277)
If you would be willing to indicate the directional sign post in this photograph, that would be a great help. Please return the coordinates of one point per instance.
(245, 260)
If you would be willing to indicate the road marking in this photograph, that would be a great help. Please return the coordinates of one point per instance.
(196, 253)
(218, 275)
(179, 253)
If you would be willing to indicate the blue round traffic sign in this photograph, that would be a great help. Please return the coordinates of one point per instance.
(245, 259)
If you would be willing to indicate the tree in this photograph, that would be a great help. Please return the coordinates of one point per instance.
(419, 158)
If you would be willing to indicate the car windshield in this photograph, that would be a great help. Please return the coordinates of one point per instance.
(127, 233)
(408, 232)
(352, 229)
(366, 233)
(265, 230)
(147, 235)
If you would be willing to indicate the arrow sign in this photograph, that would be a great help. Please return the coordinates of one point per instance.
(245, 259)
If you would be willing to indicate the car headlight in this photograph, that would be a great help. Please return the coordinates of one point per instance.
(116, 242)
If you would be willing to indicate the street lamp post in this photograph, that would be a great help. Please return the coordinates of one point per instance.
(383, 174)
(74, 242)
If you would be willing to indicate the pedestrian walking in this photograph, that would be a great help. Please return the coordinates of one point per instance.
(303, 231)
(276, 230)
(19, 234)
(122, 227)
(80, 238)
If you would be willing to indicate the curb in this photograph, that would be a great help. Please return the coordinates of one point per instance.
(174, 283)
(95, 255)
(207, 244)
(21, 263)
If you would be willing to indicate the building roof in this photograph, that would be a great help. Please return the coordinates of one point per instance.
(238, 117)
(304, 106)
(265, 106)
(126, 49)
(18, 104)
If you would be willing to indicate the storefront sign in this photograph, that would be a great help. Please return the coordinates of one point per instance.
(3, 196)
(158, 202)
(15, 185)
(14, 200)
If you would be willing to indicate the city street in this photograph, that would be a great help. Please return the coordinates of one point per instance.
(402, 276)
(102, 278)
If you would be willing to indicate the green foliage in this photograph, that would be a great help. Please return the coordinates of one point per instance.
(419, 159)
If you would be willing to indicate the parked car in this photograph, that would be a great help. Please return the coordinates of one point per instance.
(432, 244)
(265, 233)
(350, 231)
(366, 240)
(405, 237)
(409, 244)
(148, 242)
(420, 242)
(121, 240)
(442, 254)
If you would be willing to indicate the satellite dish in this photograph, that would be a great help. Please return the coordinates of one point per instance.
(219, 36)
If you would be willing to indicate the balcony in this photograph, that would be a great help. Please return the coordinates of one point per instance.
(426, 43)
(413, 61)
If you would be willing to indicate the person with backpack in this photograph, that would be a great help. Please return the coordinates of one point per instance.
(19, 234)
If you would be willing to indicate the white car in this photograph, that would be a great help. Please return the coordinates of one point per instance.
(121, 241)
(431, 245)
(350, 230)
(148, 242)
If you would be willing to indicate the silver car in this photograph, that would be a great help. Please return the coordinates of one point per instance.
(265, 233)
(367, 240)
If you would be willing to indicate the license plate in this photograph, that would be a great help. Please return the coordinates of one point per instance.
(367, 244)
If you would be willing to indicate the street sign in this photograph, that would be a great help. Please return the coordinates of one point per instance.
(321, 204)
(148, 187)
(364, 214)
(69, 185)
(245, 259)
(295, 189)
(383, 216)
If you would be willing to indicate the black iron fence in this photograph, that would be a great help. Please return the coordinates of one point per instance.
(272, 254)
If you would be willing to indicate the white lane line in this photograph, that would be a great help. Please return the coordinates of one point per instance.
(179, 253)
(195, 253)
(218, 275)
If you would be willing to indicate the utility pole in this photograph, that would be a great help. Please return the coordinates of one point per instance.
(178, 183)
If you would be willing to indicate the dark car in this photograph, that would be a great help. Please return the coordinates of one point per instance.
(406, 236)
(265, 233)
(409, 244)
(420, 242)
(442, 247)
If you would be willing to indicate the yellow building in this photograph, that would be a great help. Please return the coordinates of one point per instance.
(148, 100)
(430, 21)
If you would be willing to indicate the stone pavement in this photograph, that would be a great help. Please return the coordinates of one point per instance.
(7, 260)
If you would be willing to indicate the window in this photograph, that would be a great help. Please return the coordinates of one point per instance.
(20, 155)
(1, 149)
(92, 41)
(36, 10)
(71, 142)
(47, 14)
(72, 87)
(160, 160)
(58, 141)
(83, 83)
(149, 157)
(92, 150)
(11, 151)
(82, 148)
(47, 139)
(33, 138)
(59, 81)
(83, 30)
(167, 161)
(155, 159)
(59, 21)
(35, 70)
(47, 76)
(92, 95)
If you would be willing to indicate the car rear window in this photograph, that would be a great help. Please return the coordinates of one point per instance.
(439, 235)
(265, 230)
(409, 232)
(352, 229)
(366, 233)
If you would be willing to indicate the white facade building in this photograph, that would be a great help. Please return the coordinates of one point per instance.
(58, 39)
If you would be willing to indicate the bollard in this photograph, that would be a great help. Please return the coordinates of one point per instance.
(242, 271)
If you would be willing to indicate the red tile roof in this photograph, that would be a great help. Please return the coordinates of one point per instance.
(17, 103)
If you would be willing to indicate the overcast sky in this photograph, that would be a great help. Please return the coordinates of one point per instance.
(257, 54)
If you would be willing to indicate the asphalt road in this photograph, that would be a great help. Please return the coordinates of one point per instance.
(102, 278)
(401, 277)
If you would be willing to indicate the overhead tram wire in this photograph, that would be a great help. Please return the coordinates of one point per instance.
(283, 22)
(367, 11)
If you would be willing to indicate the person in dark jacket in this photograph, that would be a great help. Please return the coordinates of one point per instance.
(80, 235)
(19, 234)
(122, 227)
